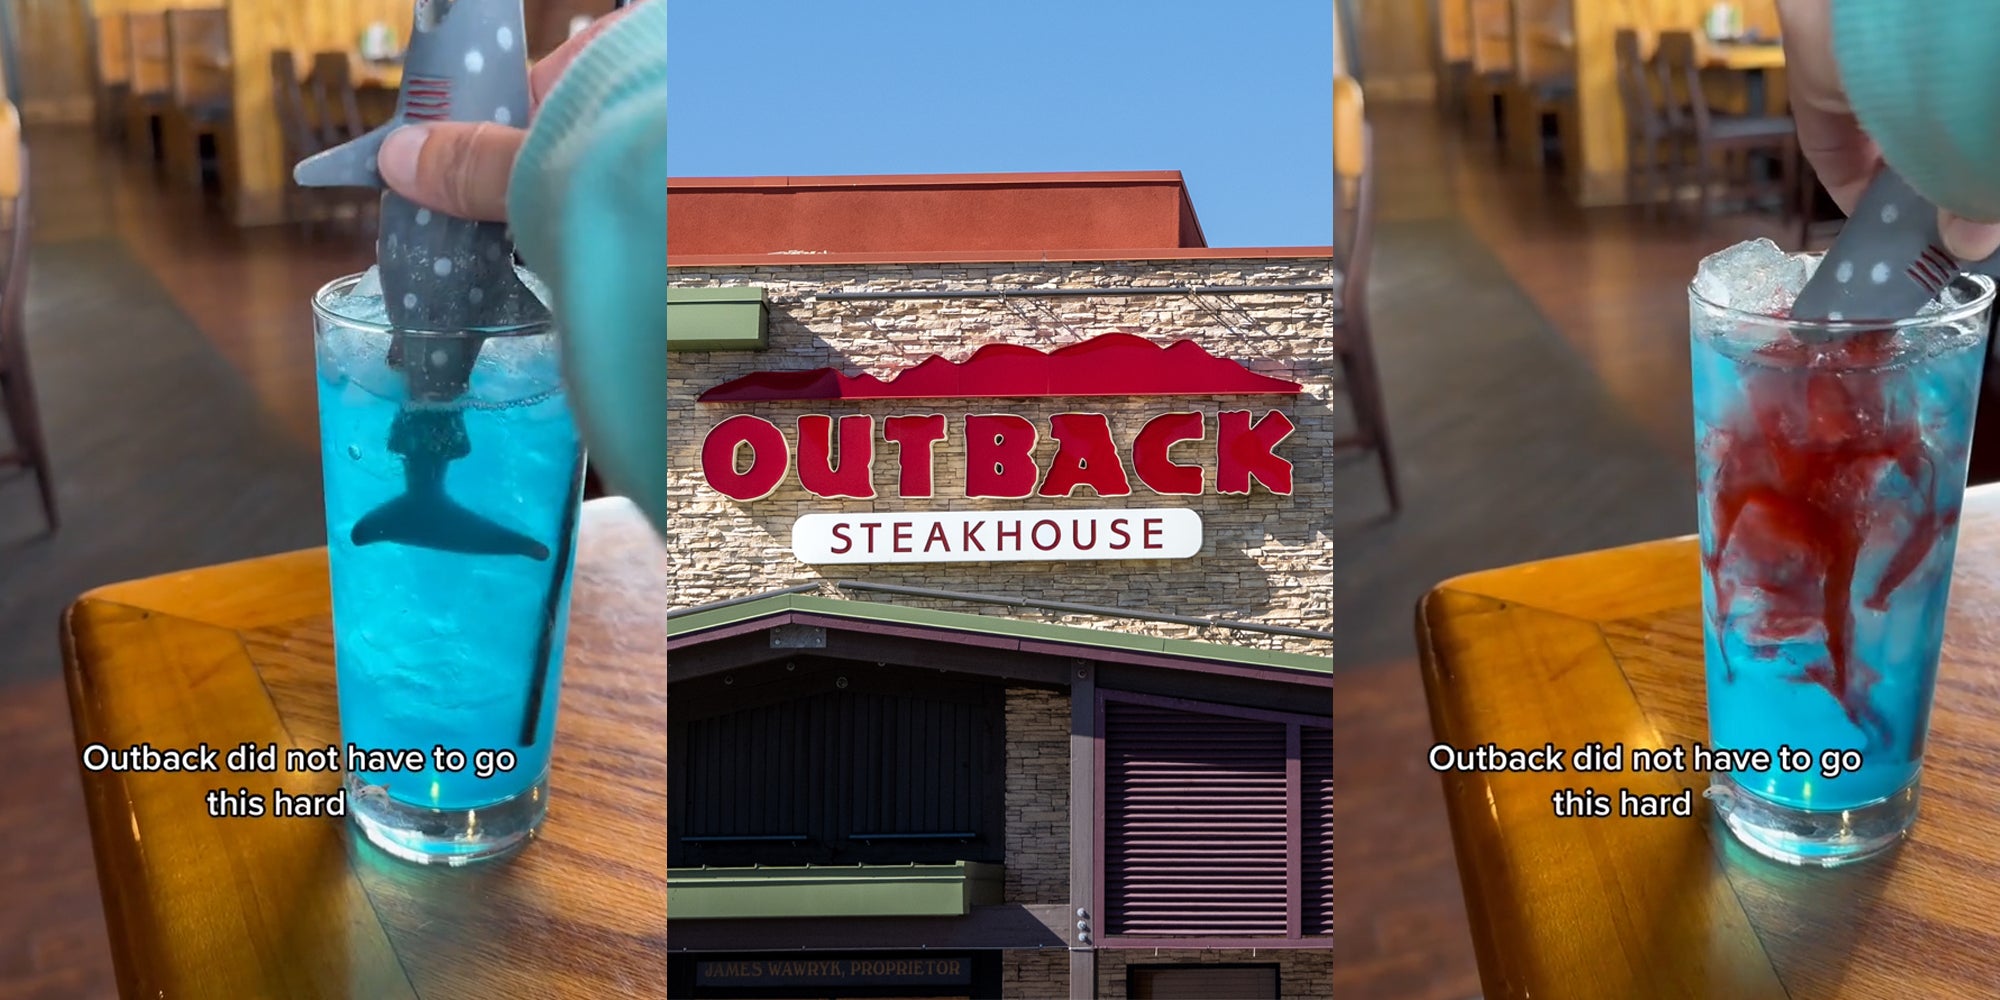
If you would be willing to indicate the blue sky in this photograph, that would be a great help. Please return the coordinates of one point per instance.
(1235, 95)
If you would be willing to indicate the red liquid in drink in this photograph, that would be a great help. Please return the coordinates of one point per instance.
(1797, 493)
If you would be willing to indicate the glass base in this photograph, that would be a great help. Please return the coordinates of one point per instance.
(450, 837)
(1823, 838)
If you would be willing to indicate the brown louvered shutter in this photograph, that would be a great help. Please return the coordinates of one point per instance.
(1195, 823)
(1316, 833)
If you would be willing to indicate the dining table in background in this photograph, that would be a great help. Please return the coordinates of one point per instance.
(381, 74)
(1754, 60)
(1743, 56)
(301, 908)
(1607, 647)
(1746, 77)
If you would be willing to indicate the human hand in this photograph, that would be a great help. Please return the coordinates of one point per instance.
(1831, 137)
(461, 168)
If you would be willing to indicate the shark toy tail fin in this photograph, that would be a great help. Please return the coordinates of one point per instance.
(436, 521)
(350, 164)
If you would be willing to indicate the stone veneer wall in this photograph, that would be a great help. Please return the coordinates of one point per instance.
(1265, 558)
(1303, 973)
(1037, 841)
(1042, 974)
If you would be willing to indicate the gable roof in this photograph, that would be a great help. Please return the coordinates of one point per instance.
(991, 631)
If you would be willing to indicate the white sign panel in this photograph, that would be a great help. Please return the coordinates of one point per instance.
(997, 536)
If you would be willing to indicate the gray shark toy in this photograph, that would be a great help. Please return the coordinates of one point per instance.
(444, 279)
(1888, 262)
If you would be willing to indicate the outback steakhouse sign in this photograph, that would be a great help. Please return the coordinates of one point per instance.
(747, 457)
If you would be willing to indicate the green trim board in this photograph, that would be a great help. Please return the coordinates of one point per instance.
(994, 625)
(718, 319)
(833, 891)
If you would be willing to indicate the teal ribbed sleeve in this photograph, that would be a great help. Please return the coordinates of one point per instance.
(588, 207)
(1924, 80)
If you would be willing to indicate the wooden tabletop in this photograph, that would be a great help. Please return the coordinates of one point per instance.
(1741, 56)
(298, 908)
(1607, 647)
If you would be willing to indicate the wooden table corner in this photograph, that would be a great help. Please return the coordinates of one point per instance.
(1607, 647)
(298, 907)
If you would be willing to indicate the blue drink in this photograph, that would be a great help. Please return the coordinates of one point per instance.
(450, 526)
(1831, 465)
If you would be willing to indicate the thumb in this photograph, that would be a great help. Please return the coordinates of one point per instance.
(458, 168)
(1968, 240)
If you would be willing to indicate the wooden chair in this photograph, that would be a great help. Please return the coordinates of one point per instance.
(300, 137)
(1492, 56)
(335, 102)
(151, 80)
(1544, 84)
(332, 100)
(1354, 234)
(112, 43)
(1451, 43)
(1717, 138)
(202, 92)
(1652, 141)
(10, 161)
(17, 386)
(297, 134)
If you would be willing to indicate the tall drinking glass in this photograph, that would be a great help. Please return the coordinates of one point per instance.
(1831, 464)
(451, 521)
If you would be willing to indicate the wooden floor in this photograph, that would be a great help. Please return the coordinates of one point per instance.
(1611, 283)
(247, 290)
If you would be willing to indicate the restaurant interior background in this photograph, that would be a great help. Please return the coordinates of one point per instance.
(168, 272)
(1527, 307)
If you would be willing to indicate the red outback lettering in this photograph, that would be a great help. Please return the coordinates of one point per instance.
(1244, 451)
(769, 457)
(999, 456)
(836, 458)
(1150, 459)
(1085, 456)
(911, 433)
(853, 475)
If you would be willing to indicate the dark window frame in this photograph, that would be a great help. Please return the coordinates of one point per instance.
(1132, 970)
(803, 679)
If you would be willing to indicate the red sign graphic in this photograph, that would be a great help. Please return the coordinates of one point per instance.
(1114, 364)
